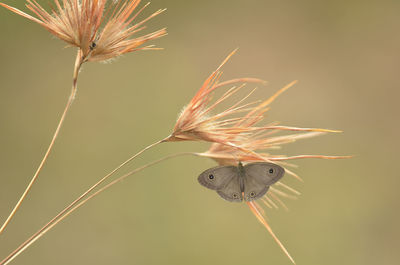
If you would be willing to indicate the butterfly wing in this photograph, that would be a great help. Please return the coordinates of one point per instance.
(217, 178)
(253, 189)
(258, 177)
(232, 191)
(264, 172)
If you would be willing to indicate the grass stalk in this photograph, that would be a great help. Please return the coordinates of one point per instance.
(78, 203)
(78, 63)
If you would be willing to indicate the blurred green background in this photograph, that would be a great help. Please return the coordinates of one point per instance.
(345, 55)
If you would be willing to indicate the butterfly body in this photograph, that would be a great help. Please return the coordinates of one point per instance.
(241, 174)
(235, 183)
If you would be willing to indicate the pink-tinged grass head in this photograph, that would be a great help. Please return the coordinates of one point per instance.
(246, 137)
(101, 29)
(237, 127)
(196, 122)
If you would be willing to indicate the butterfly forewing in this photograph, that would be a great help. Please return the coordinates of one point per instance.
(217, 178)
(264, 172)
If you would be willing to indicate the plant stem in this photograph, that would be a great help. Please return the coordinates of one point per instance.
(103, 179)
(78, 64)
(256, 212)
(72, 207)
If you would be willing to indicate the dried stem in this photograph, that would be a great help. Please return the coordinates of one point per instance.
(78, 63)
(96, 185)
(78, 203)
(256, 212)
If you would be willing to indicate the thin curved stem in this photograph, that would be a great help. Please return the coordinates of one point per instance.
(253, 207)
(78, 64)
(72, 207)
(103, 179)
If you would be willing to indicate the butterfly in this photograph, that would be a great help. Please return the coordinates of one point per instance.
(233, 183)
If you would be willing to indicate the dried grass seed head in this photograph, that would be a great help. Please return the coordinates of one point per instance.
(101, 29)
(258, 138)
(238, 126)
(196, 123)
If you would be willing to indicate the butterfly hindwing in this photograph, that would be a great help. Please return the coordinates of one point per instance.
(232, 191)
(217, 178)
(253, 189)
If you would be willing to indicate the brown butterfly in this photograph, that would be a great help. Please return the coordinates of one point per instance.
(252, 180)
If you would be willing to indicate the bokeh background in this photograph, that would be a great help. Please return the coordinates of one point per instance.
(345, 55)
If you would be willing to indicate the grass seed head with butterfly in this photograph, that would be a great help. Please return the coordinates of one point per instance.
(103, 30)
(238, 134)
